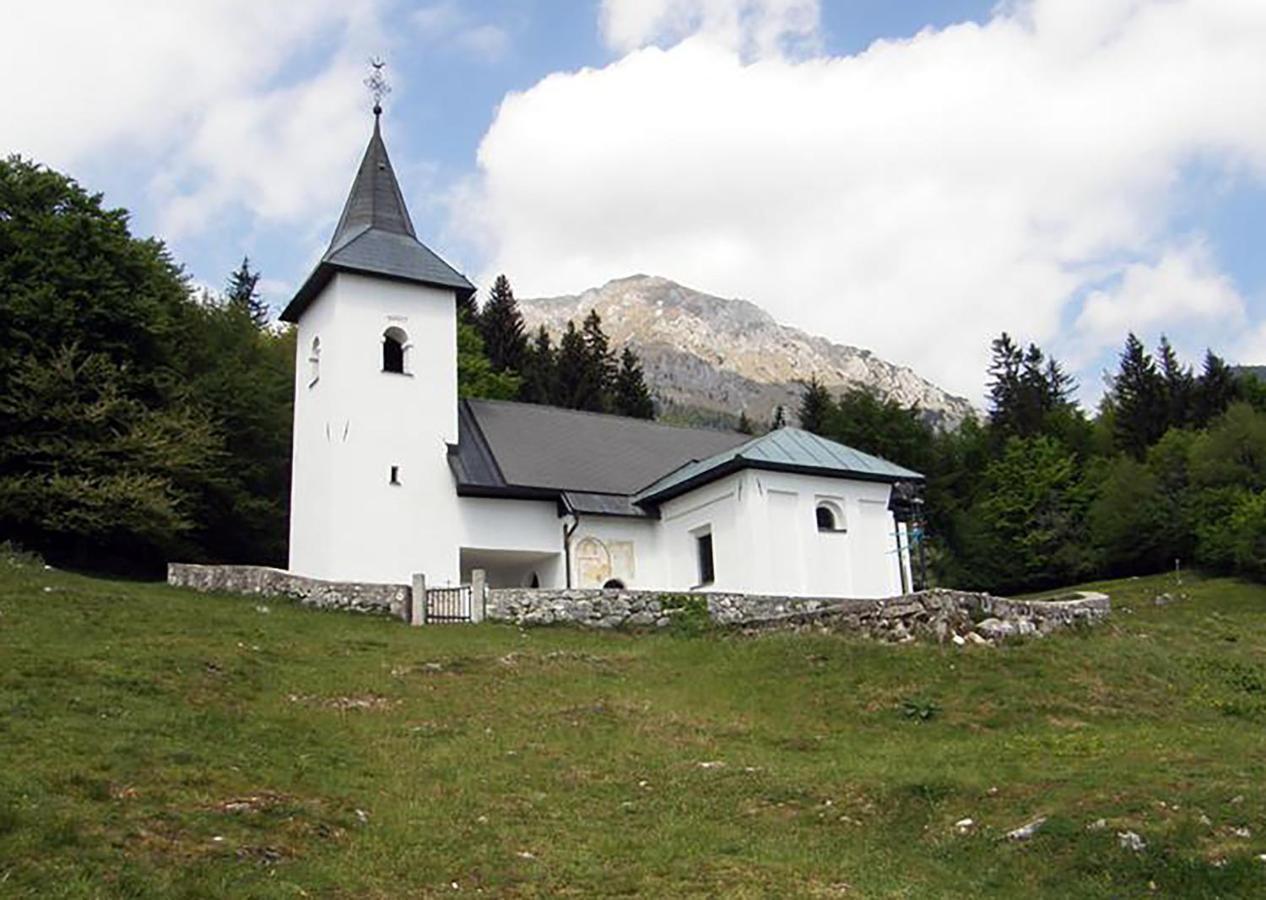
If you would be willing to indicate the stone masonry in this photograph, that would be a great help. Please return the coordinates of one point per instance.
(939, 615)
(383, 599)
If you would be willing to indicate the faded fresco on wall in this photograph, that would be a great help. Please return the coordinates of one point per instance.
(599, 562)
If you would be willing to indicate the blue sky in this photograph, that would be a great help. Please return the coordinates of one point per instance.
(911, 177)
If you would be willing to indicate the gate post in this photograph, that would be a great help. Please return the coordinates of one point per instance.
(417, 604)
(478, 594)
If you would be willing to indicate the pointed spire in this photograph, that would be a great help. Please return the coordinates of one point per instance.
(375, 200)
(375, 235)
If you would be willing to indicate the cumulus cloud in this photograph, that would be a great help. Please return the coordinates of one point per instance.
(1182, 289)
(916, 198)
(752, 27)
(198, 91)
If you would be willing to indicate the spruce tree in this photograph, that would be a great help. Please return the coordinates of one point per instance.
(575, 385)
(1138, 394)
(815, 407)
(1179, 386)
(468, 309)
(631, 395)
(745, 424)
(242, 294)
(1215, 390)
(599, 364)
(1005, 369)
(540, 371)
(501, 327)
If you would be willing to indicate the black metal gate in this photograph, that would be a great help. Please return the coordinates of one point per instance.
(448, 604)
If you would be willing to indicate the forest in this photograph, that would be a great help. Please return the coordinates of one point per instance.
(142, 420)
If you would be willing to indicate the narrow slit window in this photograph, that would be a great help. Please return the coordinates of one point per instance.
(395, 474)
(314, 362)
(707, 570)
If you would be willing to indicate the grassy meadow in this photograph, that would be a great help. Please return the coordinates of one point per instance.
(160, 743)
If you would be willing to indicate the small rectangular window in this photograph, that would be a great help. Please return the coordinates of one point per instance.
(707, 571)
(395, 474)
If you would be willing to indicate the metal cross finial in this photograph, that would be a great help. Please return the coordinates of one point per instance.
(377, 84)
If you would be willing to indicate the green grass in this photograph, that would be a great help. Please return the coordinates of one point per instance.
(161, 743)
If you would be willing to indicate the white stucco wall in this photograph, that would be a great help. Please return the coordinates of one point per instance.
(764, 530)
(347, 521)
(766, 539)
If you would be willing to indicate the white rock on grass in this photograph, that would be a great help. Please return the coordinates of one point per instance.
(1130, 840)
(1026, 831)
(965, 826)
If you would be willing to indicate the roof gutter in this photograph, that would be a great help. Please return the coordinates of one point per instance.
(738, 463)
(568, 531)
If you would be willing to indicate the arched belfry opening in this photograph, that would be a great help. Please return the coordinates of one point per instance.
(395, 351)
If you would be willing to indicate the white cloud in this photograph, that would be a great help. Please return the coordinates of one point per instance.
(916, 198)
(447, 23)
(199, 92)
(1183, 289)
(756, 28)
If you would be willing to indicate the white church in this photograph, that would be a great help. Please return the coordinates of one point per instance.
(394, 475)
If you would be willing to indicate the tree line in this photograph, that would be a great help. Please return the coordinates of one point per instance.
(1170, 471)
(142, 420)
(582, 372)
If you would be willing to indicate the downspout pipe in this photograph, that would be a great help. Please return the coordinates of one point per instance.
(568, 531)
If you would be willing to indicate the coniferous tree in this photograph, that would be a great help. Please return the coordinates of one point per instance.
(780, 418)
(815, 406)
(1005, 369)
(1138, 394)
(476, 378)
(1215, 390)
(540, 370)
(1178, 386)
(468, 309)
(242, 294)
(630, 394)
(745, 424)
(1026, 390)
(576, 386)
(501, 327)
(599, 362)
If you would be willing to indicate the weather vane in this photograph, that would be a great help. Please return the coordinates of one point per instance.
(377, 84)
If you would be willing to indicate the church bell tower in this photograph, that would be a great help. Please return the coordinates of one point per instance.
(375, 404)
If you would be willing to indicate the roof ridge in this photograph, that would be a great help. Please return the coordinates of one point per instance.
(589, 412)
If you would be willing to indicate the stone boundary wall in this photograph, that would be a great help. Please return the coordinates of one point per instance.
(361, 597)
(937, 614)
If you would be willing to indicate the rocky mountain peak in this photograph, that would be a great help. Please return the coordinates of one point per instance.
(715, 357)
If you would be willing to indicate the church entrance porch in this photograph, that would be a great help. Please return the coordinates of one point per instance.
(514, 568)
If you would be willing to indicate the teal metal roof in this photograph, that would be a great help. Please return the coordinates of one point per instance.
(784, 450)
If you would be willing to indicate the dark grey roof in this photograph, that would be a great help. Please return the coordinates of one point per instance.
(784, 450)
(614, 466)
(506, 448)
(375, 236)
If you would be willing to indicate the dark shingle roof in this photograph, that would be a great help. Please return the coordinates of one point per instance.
(610, 465)
(502, 444)
(375, 236)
